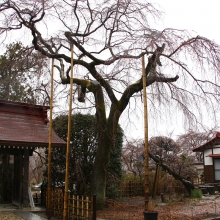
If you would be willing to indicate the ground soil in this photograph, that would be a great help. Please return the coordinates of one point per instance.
(174, 209)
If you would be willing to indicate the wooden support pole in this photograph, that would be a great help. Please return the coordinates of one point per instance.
(66, 193)
(50, 145)
(146, 160)
(156, 180)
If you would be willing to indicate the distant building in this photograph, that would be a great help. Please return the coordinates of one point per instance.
(211, 159)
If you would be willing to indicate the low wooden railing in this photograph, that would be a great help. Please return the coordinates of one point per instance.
(82, 206)
(79, 207)
(130, 188)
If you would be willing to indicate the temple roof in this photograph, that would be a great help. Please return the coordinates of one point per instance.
(25, 125)
(209, 144)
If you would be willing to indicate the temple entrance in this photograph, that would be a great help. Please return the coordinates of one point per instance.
(23, 128)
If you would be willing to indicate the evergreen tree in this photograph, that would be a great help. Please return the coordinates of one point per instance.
(17, 65)
(83, 147)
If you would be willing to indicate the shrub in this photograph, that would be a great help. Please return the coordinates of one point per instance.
(196, 193)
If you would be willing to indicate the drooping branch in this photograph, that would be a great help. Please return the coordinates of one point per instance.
(152, 77)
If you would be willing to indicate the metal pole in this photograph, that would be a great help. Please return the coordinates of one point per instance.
(65, 205)
(146, 161)
(50, 144)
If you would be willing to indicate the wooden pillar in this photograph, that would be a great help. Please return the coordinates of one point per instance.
(17, 186)
(25, 178)
(5, 178)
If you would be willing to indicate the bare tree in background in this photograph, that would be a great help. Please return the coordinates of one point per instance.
(168, 154)
(109, 38)
(132, 157)
(161, 147)
(193, 139)
(163, 151)
(37, 166)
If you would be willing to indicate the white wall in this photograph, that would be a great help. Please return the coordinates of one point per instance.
(207, 160)
(216, 150)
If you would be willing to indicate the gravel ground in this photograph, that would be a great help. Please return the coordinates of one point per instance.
(9, 216)
(186, 209)
(132, 209)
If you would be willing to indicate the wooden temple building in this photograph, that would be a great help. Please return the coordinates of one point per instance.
(211, 159)
(23, 128)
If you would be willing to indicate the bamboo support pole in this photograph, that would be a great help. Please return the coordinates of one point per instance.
(146, 160)
(87, 206)
(50, 145)
(68, 142)
(73, 204)
(77, 205)
(82, 209)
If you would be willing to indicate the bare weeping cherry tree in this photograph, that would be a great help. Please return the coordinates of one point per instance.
(169, 155)
(192, 139)
(109, 38)
(133, 158)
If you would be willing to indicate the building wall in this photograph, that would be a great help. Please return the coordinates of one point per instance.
(208, 160)
(209, 174)
(216, 149)
(208, 164)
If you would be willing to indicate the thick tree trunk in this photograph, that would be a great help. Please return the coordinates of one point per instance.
(106, 136)
(100, 169)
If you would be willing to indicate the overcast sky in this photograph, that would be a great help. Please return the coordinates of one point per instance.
(200, 16)
(197, 15)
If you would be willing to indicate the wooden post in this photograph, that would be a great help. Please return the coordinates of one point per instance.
(146, 160)
(50, 145)
(94, 207)
(68, 142)
(156, 180)
(25, 178)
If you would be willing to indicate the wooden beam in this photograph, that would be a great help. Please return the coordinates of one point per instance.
(14, 151)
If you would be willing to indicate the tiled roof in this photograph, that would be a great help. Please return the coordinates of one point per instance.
(209, 144)
(25, 125)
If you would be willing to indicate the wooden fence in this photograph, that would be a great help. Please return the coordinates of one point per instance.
(79, 207)
(82, 206)
(132, 188)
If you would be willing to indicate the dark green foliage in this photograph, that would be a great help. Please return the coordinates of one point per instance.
(17, 65)
(83, 150)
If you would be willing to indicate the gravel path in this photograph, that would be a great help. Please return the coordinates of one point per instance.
(186, 209)
(9, 216)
